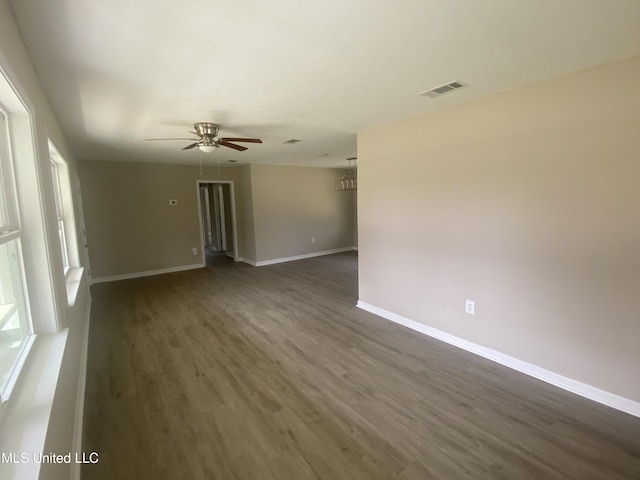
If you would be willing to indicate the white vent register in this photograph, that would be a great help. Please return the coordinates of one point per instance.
(443, 89)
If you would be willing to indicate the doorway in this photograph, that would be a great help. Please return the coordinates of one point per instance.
(217, 213)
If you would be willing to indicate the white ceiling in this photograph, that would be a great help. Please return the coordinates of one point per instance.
(120, 71)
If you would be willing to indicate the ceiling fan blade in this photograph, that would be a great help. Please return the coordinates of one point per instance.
(248, 140)
(189, 147)
(155, 139)
(231, 145)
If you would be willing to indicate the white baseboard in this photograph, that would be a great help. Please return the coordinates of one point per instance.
(76, 441)
(247, 260)
(148, 273)
(299, 257)
(588, 391)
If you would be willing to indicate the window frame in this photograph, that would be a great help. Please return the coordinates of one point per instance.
(12, 232)
(7, 175)
(60, 214)
(64, 211)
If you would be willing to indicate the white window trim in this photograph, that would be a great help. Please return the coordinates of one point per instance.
(22, 181)
(63, 198)
(61, 221)
(13, 233)
(26, 415)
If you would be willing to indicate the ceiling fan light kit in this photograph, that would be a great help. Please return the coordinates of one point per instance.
(207, 148)
(209, 140)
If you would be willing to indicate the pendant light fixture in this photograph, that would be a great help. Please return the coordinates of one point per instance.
(348, 181)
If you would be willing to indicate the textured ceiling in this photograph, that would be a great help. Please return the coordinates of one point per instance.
(120, 71)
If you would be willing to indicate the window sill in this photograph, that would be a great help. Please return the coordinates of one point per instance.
(73, 279)
(24, 418)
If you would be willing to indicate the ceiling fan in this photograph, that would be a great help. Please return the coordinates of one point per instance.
(209, 139)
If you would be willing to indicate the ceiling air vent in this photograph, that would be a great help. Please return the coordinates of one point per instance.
(292, 141)
(443, 89)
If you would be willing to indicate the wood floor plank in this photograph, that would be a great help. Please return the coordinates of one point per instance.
(233, 372)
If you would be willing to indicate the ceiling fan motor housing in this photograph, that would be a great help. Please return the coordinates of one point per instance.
(207, 129)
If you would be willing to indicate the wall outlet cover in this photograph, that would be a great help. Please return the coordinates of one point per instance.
(470, 307)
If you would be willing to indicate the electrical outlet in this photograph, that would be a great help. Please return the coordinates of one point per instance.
(194, 250)
(313, 239)
(470, 307)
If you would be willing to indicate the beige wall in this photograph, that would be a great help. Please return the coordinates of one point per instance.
(526, 202)
(132, 228)
(355, 218)
(244, 203)
(228, 220)
(292, 205)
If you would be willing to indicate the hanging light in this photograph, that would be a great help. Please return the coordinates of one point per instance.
(207, 148)
(348, 181)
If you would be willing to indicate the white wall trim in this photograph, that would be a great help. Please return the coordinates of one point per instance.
(298, 257)
(588, 391)
(148, 273)
(76, 440)
(247, 260)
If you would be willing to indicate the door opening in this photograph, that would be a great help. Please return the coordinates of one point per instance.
(217, 212)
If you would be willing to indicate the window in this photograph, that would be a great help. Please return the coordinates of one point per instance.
(16, 332)
(55, 178)
(65, 218)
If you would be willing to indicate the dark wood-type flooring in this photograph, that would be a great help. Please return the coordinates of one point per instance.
(271, 373)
